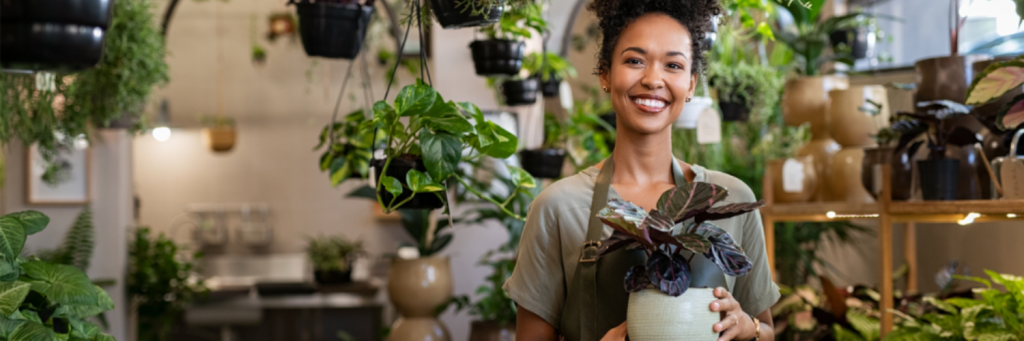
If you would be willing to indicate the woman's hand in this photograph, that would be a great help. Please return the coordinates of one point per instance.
(735, 324)
(616, 334)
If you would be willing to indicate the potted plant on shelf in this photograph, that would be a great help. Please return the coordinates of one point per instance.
(939, 174)
(743, 88)
(333, 28)
(219, 133)
(551, 69)
(897, 146)
(657, 301)
(348, 148)
(332, 258)
(547, 161)
(159, 284)
(502, 52)
(948, 77)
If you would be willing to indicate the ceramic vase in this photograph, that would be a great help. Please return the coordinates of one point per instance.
(800, 187)
(852, 118)
(822, 150)
(871, 169)
(945, 77)
(845, 176)
(417, 287)
(492, 331)
(805, 99)
(655, 316)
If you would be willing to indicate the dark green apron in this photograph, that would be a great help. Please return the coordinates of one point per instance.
(596, 300)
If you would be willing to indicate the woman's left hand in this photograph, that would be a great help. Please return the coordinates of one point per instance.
(735, 324)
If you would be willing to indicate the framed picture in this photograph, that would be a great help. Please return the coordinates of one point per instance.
(63, 182)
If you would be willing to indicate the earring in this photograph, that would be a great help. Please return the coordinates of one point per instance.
(688, 99)
(604, 88)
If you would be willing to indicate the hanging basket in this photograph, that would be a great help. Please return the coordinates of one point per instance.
(550, 87)
(520, 91)
(497, 56)
(734, 111)
(398, 168)
(332, 30)
(543, 163)
(64, 35)
(450, 15)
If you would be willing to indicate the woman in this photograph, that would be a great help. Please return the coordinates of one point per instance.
(648, 63)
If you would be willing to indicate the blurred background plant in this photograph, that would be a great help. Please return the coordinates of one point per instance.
(160, 283)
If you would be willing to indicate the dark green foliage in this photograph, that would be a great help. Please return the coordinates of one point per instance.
(333, 253)
(158, 282)
(76, 250)
(755, 85)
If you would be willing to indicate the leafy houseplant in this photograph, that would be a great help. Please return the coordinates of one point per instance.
(158, 283)
(502, 52)
(550, 68)
(76, 249)
(745, 87)
(219, 133)
(469, 13)
(42, 300)
(332, 258)
(116, 88)
(934, 118)
(348, 147)
(547, 162)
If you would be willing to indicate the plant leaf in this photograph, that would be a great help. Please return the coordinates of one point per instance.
(694, 242)
(724, 251)
(627, 218)
(8, 326)
(33, 331)
(656, 220)
(455, 124)
(661, 238)
(441, 154)
(84, 329)
(616, 241)
(421, 183)
(679, 201)
(32, 221)
(505, 143)
(669, 273)
(996, 80)
(65, 284)
(340, 170)
(520, 177)
(73, 311)
(415, 99)
(392, 185)
(1011, 115)
(384, 116)
(636, 279)
(12, 236)
(11, 296)
(726, 211)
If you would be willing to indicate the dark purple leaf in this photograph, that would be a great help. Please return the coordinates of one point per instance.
(657, 220)
(943, 109)
(626, 217)
(677, 202)
(636, 279)
(694, 242)
(669, 273)
(661, 238)
(617, 241)
(726, 211)
(724, 251)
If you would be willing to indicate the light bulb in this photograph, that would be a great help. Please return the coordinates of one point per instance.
(162, 133)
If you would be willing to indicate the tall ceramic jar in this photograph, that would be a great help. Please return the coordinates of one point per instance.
(417, 287)
(805, 100)
(854, 115)
(655, 316)
(793, 180)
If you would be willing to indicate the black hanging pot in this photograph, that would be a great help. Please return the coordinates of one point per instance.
(858, 40)
(543, 163)
(62, 35)
(332, 276)
(550, 87)
(495, 57)
(450, 14)
(735, 111)
(938, 178)
(398, 168)
(333, 30)
(520, 91)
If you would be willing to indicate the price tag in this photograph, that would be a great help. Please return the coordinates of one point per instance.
(1011, 173)
(46, 81)
(792, 176)
(709, 127)
(565, 95)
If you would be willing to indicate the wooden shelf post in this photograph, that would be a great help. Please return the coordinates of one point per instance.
(885, 246)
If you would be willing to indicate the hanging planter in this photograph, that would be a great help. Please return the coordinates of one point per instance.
(399, 169)
(743, 88)
(64, 35)
(219, 133)
(551, 69)
(520, 91)
(735, 110)
(543, 163)
(549, 88)
(858, 41)
(332, 29)
(496, 57)
(450, 14)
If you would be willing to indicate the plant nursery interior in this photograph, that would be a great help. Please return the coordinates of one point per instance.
(442, 170)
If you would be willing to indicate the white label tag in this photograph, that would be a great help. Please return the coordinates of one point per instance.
(876, 179)
(709, 127)
(1011, 174)
(46, 81)
(565, 95)
(792, 176)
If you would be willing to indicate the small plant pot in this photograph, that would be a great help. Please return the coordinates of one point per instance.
(734, 111)
(332, 277)
(220, 139)
(450, 16)
(655, 316)
(859, 41)
(520, 92)
(398, 169)
(543, 163)
(332, 30)
(496, 57)
(550, 87)
(938, 178)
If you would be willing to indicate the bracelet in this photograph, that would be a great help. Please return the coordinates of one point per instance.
(757, 329)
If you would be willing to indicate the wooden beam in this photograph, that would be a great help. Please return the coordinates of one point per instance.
(885, 248)
(910, 254)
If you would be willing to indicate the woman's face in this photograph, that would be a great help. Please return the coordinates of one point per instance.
(650, 77)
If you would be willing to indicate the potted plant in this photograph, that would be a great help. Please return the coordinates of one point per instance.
(219, 133)
(158, 283)
(458, 14)
(657, 301)
(333, 28)
(547, 161)
(939, 174)
(71, 41)
(948, 77)
(494, 311)
(744, 87)
(896, 151)
(419, 283)
(519, 91)
(502, 52)
(551, 69)
(348, 147)
(332, 258)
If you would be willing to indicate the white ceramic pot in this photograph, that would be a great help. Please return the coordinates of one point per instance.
(654, 316)
(691, 111)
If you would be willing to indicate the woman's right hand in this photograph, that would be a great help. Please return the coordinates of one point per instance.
(616, 334)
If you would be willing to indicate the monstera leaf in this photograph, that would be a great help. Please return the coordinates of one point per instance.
(679, 201)
(724, 251)
(1011, 115)
(628, 218)
(669, 273)
(996, 80)
(636, 279)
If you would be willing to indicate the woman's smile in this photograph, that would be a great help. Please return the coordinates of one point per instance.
(651, 104)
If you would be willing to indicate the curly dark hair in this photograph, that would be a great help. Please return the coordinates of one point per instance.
(615, 15)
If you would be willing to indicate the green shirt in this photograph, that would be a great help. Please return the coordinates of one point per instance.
(556, 227)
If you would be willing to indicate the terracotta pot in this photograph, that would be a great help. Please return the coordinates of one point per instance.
(849, 121)
(845, 176)
(945, 77)
(822, 151)
(417, 287)
(654, 316)
(220, 139)
(803, 187)
(871, 169)
(805, 99)
(492, 331)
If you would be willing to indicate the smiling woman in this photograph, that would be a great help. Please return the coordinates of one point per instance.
(648, 62)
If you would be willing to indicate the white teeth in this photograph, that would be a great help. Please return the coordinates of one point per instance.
(653, 103)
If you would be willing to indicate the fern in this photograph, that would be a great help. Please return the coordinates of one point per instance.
(76, 250)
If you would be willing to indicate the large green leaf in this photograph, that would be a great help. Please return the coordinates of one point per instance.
(72, 311)
(32, 221)
(8, 326)
(441, 154)
(11, 296)
(421, 183)
(520, 177)
(452, 123)
(340, 170)
(12, 237)
(63, 284)
(679, 201)
(384, 116)
(392, 185)
(505, 145)
(83, 329)
(33, 331)
(415, 99)
(104, 337)
(996, 80)
(8, 270)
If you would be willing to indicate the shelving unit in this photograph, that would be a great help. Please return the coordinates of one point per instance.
(887, 212)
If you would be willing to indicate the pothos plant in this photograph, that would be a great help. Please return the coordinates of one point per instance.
(441, 135)
(995, 81)
(41, 300)
(517, 22)
(668, 267)
(348, 147)
(546, 65)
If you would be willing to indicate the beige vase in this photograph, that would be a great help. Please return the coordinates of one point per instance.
(417, 287)
(805, 99)
(800, 187)
(220, 139)
(655, 316)
(845, 180)
(492, 331)
(853, 119)
(821, 150)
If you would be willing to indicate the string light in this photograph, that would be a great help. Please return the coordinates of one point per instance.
(833, 215)
(969, 219)
(1011, 215)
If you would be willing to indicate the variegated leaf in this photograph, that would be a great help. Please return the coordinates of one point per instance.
(636, 279)
(657, 220)
(727, 211)
(995, 81)
(724, 251)
(617, 241)
(669, 273)
(660, 238)
(679, 201)
(694, 242)
(627, 218)
(1011, 115)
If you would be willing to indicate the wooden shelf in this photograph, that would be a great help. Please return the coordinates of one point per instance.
(819, 211)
